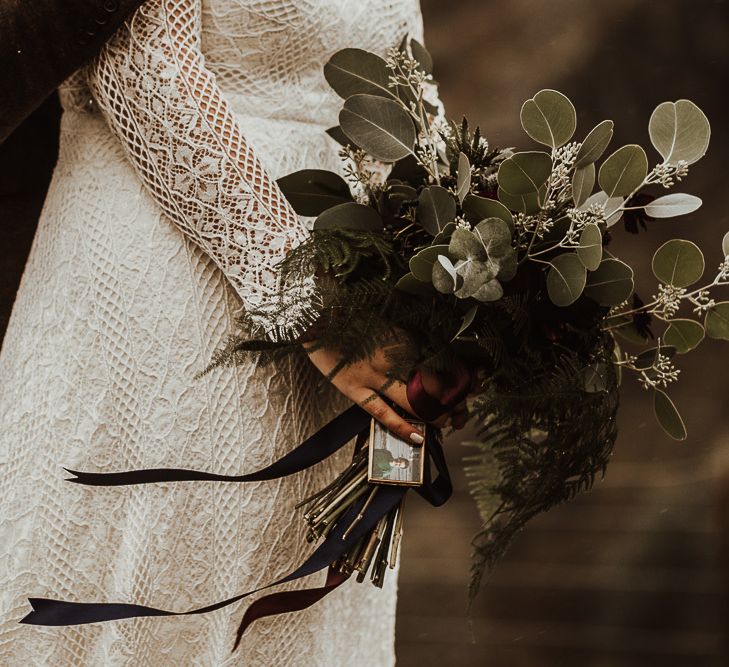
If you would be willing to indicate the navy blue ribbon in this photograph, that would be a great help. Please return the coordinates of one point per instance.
(332, 437)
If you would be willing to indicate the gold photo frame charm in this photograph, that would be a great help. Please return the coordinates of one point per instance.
(392, 460)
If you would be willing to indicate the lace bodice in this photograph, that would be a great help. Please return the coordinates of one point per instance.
(174, 81)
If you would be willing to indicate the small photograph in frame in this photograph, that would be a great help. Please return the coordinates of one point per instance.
(393, 460)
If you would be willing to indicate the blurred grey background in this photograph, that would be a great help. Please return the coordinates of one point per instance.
(635, 572)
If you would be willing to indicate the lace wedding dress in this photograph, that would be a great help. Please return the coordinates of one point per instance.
(160, 223)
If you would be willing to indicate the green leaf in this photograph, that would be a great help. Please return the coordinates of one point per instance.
(679, 263)
(436, 208)
(421, 54)
(624, 171)
(590, 249)
(467, 321)
(463, 178)
(524, 173)
(444, 276)
(679, 131)
(411, 285)
(355, 71)
(338, 136)
(528, 204)
(477, 208)
(667, 415)
(467, 245)
(490, 291)
(379, 126)
(565, 279)
(672, 205)
(312, 191)
(421, 264)
(611, 206)
(630, 332)
(594, 144)
(717, 321)
(349, 216)
(495, 236)
(594, 378)
(583, 180)
(549, 118)
(444, 235)
(725, 244)
(684, 335)
(611, 283)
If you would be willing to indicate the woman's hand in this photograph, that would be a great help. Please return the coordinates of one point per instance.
(366, 381)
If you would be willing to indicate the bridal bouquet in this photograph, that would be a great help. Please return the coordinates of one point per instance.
(498, 268)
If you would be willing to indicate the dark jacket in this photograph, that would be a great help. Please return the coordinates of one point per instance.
(42, 42)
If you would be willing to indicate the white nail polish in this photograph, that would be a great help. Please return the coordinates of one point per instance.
(417, 438)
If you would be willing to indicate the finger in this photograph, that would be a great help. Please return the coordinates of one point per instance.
(460, 416)
(372, 402)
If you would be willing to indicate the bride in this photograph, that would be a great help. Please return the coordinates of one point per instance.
(159, 225)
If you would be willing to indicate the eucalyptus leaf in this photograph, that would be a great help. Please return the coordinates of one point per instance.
(339, 136)
(477, 208)
(583, 181)
(495, 236)
(679, 131)
(611, 283)
(490, 291)
(594, 378)
(611, 206)
(672, 205)
(410, 284)
(590, 249)
(684, 335)
(379, 126)
(421, 264)
(436, 208)
(566, 279)
(549, 118)
(349, 216)
(463, 177)
(678, 262)
(355, 71)
(466, 245)
(444, 235)
(717, 321)
(444, 276)
(312, 191)
(466, 322)
(422, 56)
(630, 332)
(409, 170)
(475, 275)
(668, 416)
(594, 144)
(624, 171)
(725, 245)
(528, 204)
(524, 173)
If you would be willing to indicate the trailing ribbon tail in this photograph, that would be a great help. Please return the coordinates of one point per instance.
(329, 439)
(288, 601)
(59, 612)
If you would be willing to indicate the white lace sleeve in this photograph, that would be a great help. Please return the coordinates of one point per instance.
(151, 84)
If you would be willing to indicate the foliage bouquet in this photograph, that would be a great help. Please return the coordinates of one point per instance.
(499, 261)
(490, 260)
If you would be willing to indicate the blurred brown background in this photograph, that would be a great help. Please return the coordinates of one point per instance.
(635, 572)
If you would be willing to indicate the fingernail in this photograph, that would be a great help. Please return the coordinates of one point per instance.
(417, 438)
